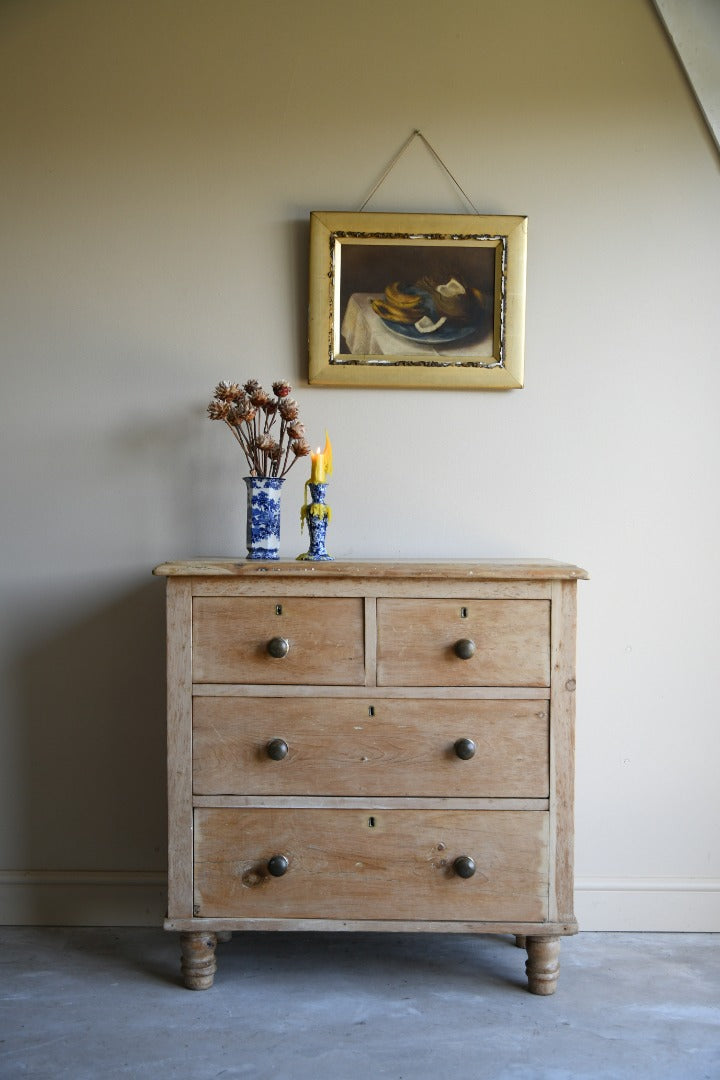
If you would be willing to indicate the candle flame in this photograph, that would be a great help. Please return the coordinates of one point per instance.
(327, 455)
(321, 463)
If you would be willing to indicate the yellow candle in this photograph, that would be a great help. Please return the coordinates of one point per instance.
(317, 472)
(321, 463)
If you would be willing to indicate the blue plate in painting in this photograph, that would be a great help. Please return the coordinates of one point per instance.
(444, 336)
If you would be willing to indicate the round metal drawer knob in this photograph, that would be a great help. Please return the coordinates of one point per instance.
(465, 749)
(278, 865)
(464, 648)
(464, 866)
(277, 749)
(278, 647)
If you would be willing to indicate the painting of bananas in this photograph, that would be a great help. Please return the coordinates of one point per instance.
(420, 297)
(415, 300)
(434, 311)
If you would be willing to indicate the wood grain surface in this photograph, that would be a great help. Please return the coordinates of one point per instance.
(377, 569)
(370, 747)
(372, 804)
(416, 640)
(371, 864)
(325, 637)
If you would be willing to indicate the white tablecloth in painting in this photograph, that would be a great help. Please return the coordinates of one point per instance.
(367, 335)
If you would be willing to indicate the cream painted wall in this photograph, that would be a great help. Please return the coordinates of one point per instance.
(159, 163)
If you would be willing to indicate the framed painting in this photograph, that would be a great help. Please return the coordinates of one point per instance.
(417, 300)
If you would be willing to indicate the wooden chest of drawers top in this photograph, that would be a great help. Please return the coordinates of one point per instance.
(446, 570)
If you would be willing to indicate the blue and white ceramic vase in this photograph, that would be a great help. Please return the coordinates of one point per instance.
(317, 515)
(263, 516)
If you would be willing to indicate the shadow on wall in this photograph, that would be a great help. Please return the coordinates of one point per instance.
(92, 716)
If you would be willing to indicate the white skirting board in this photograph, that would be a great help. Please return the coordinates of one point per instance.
(82, 898)
(138, 898)
(685, 905)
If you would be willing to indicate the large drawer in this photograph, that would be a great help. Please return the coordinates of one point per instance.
(371, 864)
(417, 640)
(380, 747)
(325, 639)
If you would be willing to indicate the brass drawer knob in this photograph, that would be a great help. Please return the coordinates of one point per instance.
(277, 749)
(465, 749)
(464, 866)
(278, 647)
(278, 865)
(464, 648)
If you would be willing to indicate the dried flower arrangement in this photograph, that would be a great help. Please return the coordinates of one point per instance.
(251, 414)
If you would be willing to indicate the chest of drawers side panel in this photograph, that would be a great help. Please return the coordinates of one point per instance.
(179, 748)
(562, 749)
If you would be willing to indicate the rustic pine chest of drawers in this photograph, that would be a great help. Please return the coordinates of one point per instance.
(381, 746)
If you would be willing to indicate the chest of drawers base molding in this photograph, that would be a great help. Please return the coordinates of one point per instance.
(371, 745)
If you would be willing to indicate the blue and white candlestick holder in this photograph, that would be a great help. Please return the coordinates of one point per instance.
(317, 515)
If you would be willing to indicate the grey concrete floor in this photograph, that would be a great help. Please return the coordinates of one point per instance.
(98, 1002)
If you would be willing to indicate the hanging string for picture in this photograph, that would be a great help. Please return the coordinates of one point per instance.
(417, 134)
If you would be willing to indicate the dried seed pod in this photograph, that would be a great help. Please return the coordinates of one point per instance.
(228, 391)
(218, 410)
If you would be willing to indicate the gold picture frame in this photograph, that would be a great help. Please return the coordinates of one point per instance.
(417, 300)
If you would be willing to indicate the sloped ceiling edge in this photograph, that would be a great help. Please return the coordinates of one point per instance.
(694, 28)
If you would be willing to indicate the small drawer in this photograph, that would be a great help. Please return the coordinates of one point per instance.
(234, 639)
(371, 864)
(463, 643)
(299, 746)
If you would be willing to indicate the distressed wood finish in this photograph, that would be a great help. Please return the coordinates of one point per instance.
(380, 926)
(446, 693)
(179, 747)
(416, 640)
(198, 964)
(543, 964)
(413, 588)
(372, 804)
(404, 748)
(562, 748)
(376, 570)
(231, 635)
(348, 864)
(379, 802)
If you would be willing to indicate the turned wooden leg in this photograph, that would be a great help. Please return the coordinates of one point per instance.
(521, 941)
(543, 964)
(198, 959)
